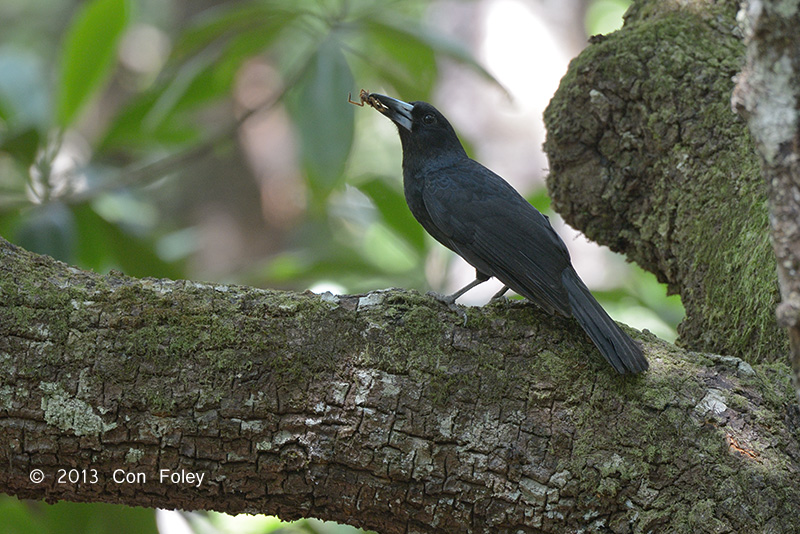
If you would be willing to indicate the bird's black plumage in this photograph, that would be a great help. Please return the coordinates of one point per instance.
(477, 214)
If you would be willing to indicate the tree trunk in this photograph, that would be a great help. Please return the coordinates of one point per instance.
(767, 94)
(380, 411)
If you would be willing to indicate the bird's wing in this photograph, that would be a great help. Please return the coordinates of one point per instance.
(498, 232)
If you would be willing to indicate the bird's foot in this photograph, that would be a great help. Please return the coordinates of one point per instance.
(444, 299)
(450, 302)
(499, 300)
(500, 297)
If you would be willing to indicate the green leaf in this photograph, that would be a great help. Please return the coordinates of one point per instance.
(103, 245)
(324, 118)
(89, 52)
(195, 79)
(391, 204)
(401, 58)
(225, 20)
(97, 518)
(169, 95)
(28, 517)
(5, 111)
(211, 76)
(17, 517)
(387, 251)
(22, 146)
(127, 131)
(409, 31)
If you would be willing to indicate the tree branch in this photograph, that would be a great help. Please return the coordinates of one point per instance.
(767, 95)
(646, 157)
(378, 410)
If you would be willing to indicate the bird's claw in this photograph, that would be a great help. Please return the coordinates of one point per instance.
(444, 299)
(500, 296)
(500, 300)
(450, 302)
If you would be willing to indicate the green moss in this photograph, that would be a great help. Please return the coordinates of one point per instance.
(158, 398)
(695, 200)
(659, 416)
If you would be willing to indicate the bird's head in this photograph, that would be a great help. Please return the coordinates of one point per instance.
(422, 128)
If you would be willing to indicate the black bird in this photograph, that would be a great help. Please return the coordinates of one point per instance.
(478, 215)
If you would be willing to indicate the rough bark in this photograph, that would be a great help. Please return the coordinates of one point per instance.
(380, 410)
(647, 157)
(768, 96)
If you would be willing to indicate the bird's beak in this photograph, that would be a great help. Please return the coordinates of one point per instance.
(397, 110)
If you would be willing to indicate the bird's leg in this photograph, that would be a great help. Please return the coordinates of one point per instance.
(450, 300)
(454, 296)
(499, 294)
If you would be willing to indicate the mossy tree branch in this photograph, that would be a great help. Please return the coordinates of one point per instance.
(647, 157)
(379, 410)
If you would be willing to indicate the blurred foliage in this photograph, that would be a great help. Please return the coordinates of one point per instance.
(91, 146)
(215, 523)
(57, 173)
(89, 52)
(26, 517)
(605, 16)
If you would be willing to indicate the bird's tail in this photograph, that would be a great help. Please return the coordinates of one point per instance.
(617, 347)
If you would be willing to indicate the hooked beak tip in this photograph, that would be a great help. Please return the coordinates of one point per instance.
(396, 110)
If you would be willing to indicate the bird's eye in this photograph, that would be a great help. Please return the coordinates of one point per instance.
(428, 119)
